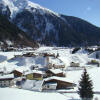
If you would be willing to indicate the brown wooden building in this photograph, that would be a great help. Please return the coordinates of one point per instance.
(16, 73)
(55, 72)
(61, 83)
(34, 75)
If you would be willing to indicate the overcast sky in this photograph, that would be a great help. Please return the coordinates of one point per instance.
(85, 9)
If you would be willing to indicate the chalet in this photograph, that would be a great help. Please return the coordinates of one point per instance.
(6, 80)
(62, 83)
(94, 62)
(54, 63)
(16, 73)
(73, 64)
(55, 72)
(34, 75)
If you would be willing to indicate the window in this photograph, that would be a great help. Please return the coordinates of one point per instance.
(48, 86)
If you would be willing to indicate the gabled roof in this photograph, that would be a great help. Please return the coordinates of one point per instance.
(55, 71)
(56, 61)
(59, 79)
(34, 71)
(17, 71)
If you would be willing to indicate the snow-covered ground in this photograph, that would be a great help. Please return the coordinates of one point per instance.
(19, 94)
(24, 63)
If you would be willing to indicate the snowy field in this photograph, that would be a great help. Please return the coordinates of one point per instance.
(24, 63)
(18, 94)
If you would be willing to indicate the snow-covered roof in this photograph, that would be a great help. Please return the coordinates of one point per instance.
(21, 69)
(56, 71)
(9, 76)
(55, 61)
(52, 84)
(34, 71)
(58, 78)
(17, 70)
(38, 72)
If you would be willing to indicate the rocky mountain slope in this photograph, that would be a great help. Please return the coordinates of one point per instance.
(48, 27)
(10, 35)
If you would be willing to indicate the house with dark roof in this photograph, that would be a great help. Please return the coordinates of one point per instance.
(62, 83)
(55, 72)
(17, 73)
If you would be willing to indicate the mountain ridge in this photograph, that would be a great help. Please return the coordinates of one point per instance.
(49, 28)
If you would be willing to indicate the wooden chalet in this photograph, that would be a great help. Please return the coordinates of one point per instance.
(6, 80)
(34, 75)
(62, 83)
(55, 72)
(94, 62)
(16, 73)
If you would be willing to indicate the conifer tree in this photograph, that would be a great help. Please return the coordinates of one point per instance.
(85, 89)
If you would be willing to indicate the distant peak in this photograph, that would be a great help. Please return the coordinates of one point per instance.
(16, 6)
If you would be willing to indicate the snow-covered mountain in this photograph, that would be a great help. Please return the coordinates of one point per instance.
(48, 27)
(16, 6)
